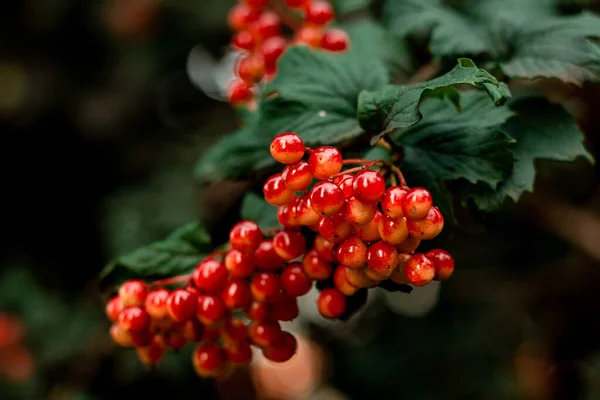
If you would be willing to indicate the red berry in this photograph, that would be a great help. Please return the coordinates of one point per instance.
(324, 248)
(331, 303)
(393, 231)
(256, 4)
(210, 309)
(417, 203)
(212, 333)
(341, 282)
(319, 13)
(120, 336)
(297, 3)
(113, 308)
(289, 245)
(239, 92)
(370, 231)
(428, 227)
(305, 213)
(324, 162)
(409, 245)
(326, 198)
(309, 35)
(240, 265)
(297, 176)
(134, 319)
(357, 277)
(208, 360)
(275, 191)
(142, 338)
(245, 236)
(266, 256)
(156, 303)
(287, 216)
(358, 213)
(236, 294)
(181, 305)
(399, 274)
(294, 281)
(419, 270)
(287, 148)
(272, 50)
(335, 40)
(192, 330)
(345, 182)
(373, 276)
(257, 310)
(268, 25)
(392, 203)
(235, 330)
(210, 275)
(243, 40)
(263, 333)
(153, 352)
(239, 353)
(241, 16)
(352, 253)
(444, 263)
(174, 339)
(369, 186)
(133, 293)
(285, 308)
(315, 267)
(282, 349)
(382, 258)
(265, 285)
(335, 228)
(250, 69)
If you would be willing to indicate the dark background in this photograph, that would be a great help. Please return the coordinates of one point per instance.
(101, 127)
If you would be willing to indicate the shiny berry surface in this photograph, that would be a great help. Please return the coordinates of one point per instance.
(331, 303)
(417, 203)
(358, 213)
(240, 265)
(287, 148)
(134, 319)
(335, 228)
(208, 359)
(352, 253)
(210, 309)
(289, 245)
(335, 40)
(156, 303)
(419, 270)
(266, 256)
(315, 267)
(265, 285)
(181, 305)
(275, 191)
(239, 92)
(345, 182)
(444, 263)
(297, 176)
(382, 258)
(327, 198)
(133, 293)
(393, 230)
(210, 275)
(319, 13)
(392, 203)
(294, 281)
(370, 231)
(324, 162)
(282, 348)
(245, 236)
(236, 294)
(114, 308)
(426, 228)
(341, 282)
(369, 186)
(324, 248)
(263, 333)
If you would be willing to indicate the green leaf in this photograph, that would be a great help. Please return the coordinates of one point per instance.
(237, 155)
(315, 94)
(450, 145)
(556, 48)
(177, 254)
(397, 106)
(541, 131)
(255, 208)
(348, 6)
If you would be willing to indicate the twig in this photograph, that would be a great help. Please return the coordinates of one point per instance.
(426, 72)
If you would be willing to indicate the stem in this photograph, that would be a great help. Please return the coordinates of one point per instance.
(394, 180)
(349, 161)
(271, 231)
(399, 174)
(369, 164)
(173, 280)
(281, 10)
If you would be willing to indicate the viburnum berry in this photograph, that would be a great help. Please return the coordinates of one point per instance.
(174, 339)
(341, 282)
(297, 3)
(240, 265)
(210, 275)
(357, 277)
(305, 213)
(358, 213)
(120, 336)
(267, 25)
(192, 330)
(409, 245)
(272, 49)
(331, 303)
(114, 308)
(134, 319)
(243, 40)
(241, 16)
(208, 360)
(393, 231)
(153, 353)
(285, 308)
(419, 270)
(417, 203)
(335, 40)
(319, 13)
(428, 227)
(370, 231)
(392, 203)
(345, 182)
(287, 148)
(382, 258)
(289, 245)
(297, 176)
(275, 191)
(266, 256)
(133, 293)
(369, 186)
(181, 305)
(444, 263)
(294, 281)
(324, 162)
(399, 274)
(257, 310)
(352, 253)
(327, 198)
(238, 353)
(156, 303)
(235, 330)
(256, 4)
(324, 248)
(335, 228)
(282, 348)
(210, 309)
(315, 267)
(251, 69)
(239, 92)
(374, 276)
(309, 35)
(286, 216)
(236, 294)
(245, 236)
(265, 285)
(263, 333)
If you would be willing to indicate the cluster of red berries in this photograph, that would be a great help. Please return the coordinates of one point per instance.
(17, 362)
(258, 35)
(366, 232)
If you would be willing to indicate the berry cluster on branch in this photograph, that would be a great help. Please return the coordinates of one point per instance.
(362, 233)
(259, 36)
